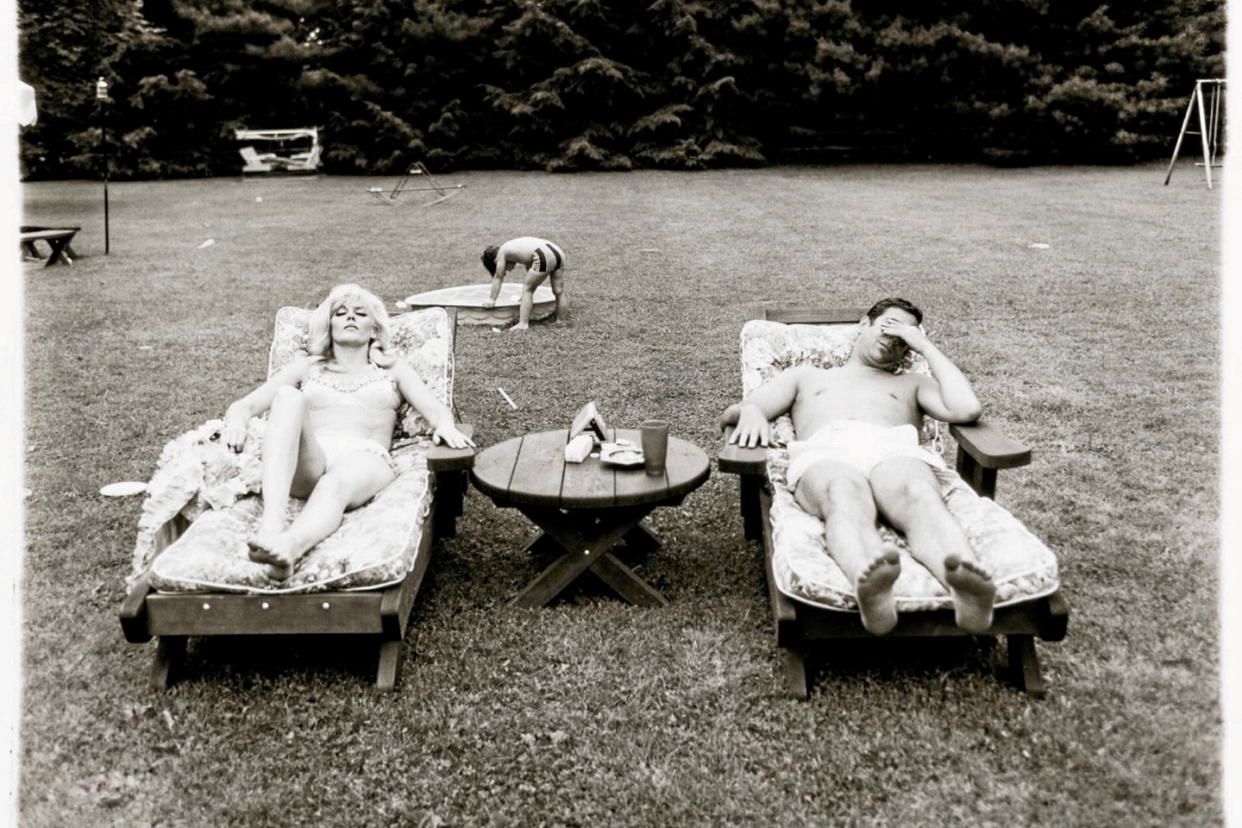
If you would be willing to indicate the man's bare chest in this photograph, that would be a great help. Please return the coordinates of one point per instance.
(841, 393)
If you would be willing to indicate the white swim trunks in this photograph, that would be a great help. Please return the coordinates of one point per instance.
(860, 445)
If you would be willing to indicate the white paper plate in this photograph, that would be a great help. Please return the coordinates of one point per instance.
(123, 489)
(620, 455)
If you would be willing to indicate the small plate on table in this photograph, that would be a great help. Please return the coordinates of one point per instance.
(621, 454)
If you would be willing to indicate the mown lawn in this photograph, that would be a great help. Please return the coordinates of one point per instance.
(1100, 351)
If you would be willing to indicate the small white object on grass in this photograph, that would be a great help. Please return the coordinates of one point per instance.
(1039, 246)
(123, 489)
(403, 305)
(207, 243)
(508, 399)
(258, 199)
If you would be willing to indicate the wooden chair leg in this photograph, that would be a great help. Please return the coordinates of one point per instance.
(169, 655)
(752, 519)
(1024, 665)
(450, 493)
(389, 666)
(794, 669)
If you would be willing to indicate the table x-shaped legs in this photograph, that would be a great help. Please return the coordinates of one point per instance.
(583, 539)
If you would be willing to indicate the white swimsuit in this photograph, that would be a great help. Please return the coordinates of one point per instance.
(322, 389)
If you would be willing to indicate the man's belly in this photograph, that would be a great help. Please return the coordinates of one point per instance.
(805, 426)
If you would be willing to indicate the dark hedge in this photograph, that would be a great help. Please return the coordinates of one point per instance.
(594, 85)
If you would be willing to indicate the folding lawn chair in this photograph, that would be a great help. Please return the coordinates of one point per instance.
(192, 575)
(812, 600)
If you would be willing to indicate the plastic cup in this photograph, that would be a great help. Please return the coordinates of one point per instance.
(655, 445)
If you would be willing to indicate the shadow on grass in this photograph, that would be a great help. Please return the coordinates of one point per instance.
(244, 661)
(922, 660)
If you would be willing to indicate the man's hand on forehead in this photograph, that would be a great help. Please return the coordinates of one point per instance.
(911, 335)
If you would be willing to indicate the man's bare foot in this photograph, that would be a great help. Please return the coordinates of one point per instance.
(973, 594)
(275, 552)
(520, 327)
(875, 592)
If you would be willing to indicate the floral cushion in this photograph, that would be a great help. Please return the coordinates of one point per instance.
(374, 546)
(1021, 566)
(422, 338)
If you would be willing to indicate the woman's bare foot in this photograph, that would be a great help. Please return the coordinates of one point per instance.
(276, 552)
(261, 543)
(973, 594)
(875, 592)
(260, 546)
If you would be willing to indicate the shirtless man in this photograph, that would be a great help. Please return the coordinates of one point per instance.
(542, 259)
(858, 450)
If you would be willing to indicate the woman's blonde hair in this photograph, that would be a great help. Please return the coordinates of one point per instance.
(319, 342)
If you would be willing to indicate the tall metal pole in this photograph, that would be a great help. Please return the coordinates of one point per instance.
(101, 95)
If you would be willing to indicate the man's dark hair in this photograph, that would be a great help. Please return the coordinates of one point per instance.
(489, 258)
(894, 302)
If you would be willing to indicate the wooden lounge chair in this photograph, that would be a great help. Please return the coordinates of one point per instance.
(812, 601)
(192, 575)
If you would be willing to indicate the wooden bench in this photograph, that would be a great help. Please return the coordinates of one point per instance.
(57, 239)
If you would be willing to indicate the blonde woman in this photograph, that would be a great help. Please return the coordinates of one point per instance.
(330, 425)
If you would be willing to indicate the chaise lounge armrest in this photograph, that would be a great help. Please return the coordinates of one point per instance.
(750, 464)
(738, 460)
(443, 458)
(982, 449)
(989, 446)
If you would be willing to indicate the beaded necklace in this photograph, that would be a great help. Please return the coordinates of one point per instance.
(320, 374)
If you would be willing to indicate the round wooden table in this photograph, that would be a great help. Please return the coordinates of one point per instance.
(584, 509)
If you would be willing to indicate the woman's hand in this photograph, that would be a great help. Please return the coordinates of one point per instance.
(447, 434)
(752, 427)
(236, 422)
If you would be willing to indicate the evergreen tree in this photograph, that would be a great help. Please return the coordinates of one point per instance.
(63, 49)
(593, 84)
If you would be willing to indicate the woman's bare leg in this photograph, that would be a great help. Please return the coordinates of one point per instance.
(350, 483)
(292, 463)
